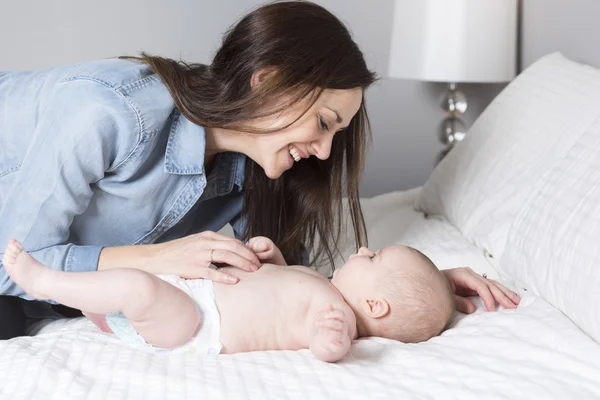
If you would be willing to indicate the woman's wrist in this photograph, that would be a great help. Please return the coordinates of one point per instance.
(141, 257)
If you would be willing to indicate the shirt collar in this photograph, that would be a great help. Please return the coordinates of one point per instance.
(230, 169)
(185, 151)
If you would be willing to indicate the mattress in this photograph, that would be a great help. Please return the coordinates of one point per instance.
(532, 352)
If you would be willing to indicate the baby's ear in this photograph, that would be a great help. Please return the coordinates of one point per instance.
(375, 308)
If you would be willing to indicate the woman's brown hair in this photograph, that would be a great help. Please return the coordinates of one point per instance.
(309, 50)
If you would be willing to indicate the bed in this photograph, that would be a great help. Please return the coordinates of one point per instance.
(519, 200)
(532, 352)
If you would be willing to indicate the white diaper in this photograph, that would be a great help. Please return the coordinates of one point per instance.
(206, 342)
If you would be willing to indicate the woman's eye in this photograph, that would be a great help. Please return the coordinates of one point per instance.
(323, 124)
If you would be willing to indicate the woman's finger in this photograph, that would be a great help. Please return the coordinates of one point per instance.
(499, 296)
(509, 294)
(231, 244)
(221, 277)
(235, 260)
(237, 248)
(193, 272)
(485, 293)
(222, 238)
(464, 305)
(465, 291)
(215, 236)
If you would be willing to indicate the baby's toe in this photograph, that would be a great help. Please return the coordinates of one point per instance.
(15, 244)
(8, 258)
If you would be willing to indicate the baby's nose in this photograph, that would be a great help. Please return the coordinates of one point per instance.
(363, 251)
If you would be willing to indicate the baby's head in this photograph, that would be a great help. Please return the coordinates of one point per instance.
(396, 293)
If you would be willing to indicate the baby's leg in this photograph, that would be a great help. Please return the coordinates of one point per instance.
(99, 320)
(162, 314)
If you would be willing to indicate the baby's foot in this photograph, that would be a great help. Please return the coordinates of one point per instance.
(29, 274)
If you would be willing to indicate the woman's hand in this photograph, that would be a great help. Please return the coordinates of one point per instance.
(465, 283)
(266, 250)
(191, 256)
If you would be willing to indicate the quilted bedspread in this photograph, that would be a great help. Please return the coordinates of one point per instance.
(533, 352)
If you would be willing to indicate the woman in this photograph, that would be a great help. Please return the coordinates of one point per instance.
(139, 161)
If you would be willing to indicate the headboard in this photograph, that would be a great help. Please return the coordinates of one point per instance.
(569, 26)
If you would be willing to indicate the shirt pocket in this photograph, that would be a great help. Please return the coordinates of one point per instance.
(11, 155)
(9, 165)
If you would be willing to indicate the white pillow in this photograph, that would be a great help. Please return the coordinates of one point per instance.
(445, 246)
(391, 219)
(554, 245)
(482, 183)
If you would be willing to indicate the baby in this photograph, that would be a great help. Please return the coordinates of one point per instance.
(396, 293)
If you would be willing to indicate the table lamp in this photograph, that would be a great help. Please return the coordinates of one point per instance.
(454, 41)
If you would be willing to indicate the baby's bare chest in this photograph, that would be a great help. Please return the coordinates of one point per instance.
(271, 307)
(275, 288)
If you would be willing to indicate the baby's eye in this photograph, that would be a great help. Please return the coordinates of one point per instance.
(372, 257)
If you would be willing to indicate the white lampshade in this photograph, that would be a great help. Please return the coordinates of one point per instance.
(454, 40)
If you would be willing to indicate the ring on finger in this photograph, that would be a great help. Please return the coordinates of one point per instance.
(211, 258)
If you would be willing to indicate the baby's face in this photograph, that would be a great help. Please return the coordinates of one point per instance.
(366, 269)
(363, 270)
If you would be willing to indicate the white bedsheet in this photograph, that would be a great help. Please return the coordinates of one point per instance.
(533, 352)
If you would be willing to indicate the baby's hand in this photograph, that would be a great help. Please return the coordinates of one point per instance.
(330, 339)
(266, 251)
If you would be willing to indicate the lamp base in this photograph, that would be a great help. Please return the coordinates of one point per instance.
(453, 128)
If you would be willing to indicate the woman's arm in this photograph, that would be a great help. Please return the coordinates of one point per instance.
(84, 130)
(188, 257)
(137, 257)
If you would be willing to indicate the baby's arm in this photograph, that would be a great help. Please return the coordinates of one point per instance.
(332, 329)
(266, 251)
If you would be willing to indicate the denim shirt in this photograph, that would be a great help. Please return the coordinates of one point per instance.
(96, 154)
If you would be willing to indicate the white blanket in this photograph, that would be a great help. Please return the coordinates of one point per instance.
(533, 352)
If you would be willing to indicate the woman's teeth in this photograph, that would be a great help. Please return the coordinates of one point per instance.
(295, 155)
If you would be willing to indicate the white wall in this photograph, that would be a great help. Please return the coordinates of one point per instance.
(404, 114)
(571, 27)
(44, 33)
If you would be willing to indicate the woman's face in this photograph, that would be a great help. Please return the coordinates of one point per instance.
(310, 136)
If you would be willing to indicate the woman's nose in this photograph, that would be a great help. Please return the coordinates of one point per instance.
(322, 147)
